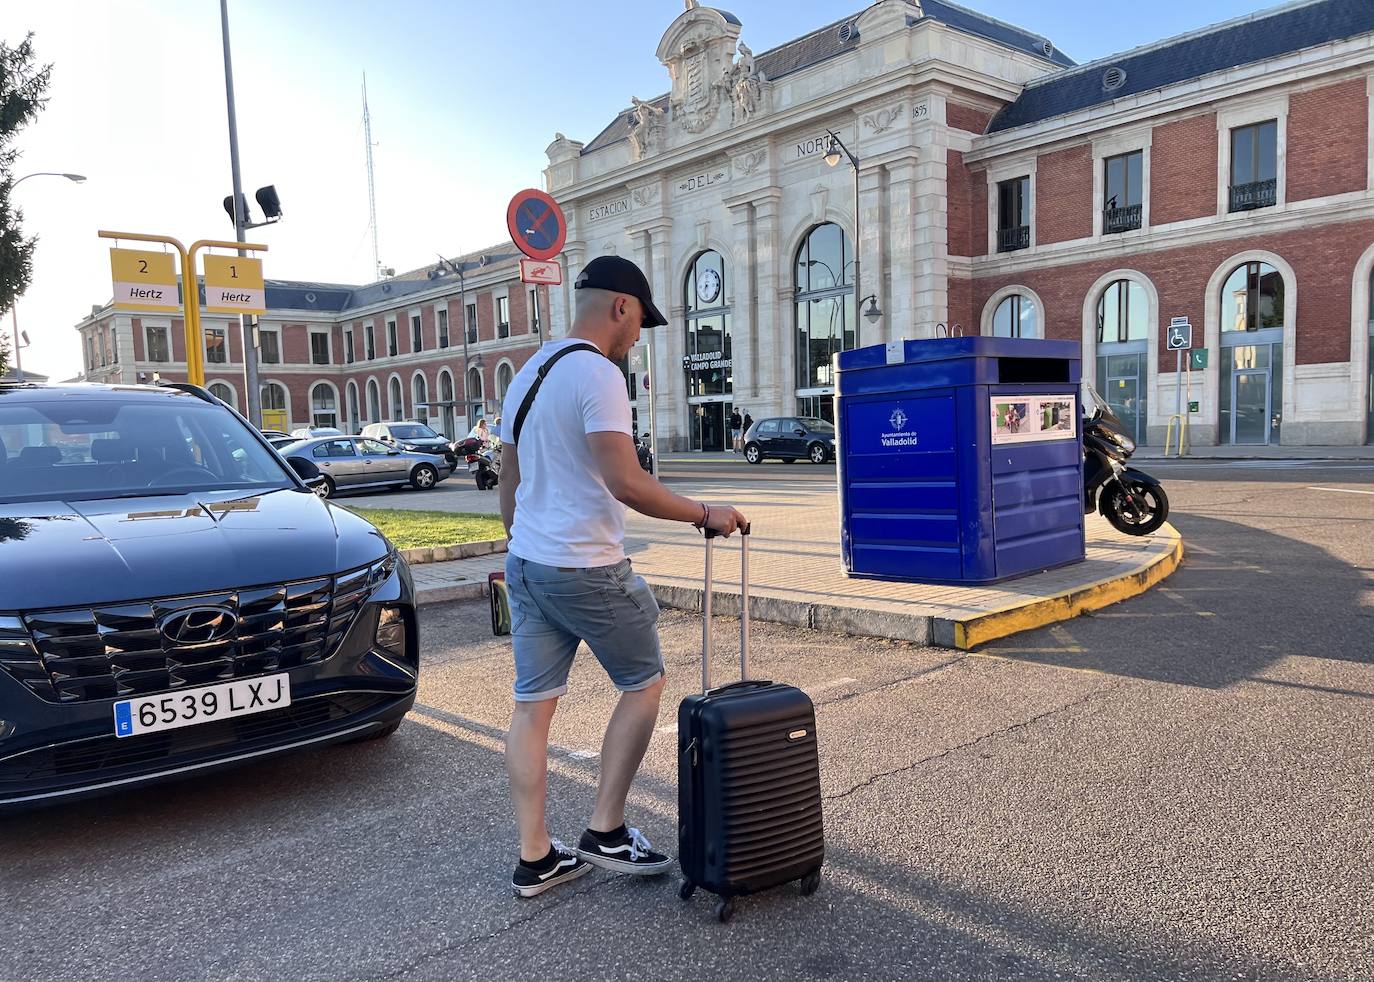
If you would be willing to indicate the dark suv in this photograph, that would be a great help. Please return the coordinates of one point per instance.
(174, 597)
(790, 438)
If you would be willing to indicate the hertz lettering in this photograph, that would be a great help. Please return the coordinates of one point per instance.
(144, 293)
(226, 297)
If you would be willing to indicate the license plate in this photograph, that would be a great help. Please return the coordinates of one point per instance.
(203, 705)
(472, 467)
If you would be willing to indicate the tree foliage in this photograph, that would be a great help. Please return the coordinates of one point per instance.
(23, 93)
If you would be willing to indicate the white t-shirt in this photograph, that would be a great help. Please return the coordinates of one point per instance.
(564, 513)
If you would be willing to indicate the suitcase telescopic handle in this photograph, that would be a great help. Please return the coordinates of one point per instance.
(744, 609)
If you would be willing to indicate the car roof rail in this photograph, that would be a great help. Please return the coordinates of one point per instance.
(202, 394)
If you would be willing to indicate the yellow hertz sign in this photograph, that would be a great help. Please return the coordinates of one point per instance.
(233, 285)
(144, 281)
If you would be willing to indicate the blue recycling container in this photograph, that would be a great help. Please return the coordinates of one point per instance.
(959, 459)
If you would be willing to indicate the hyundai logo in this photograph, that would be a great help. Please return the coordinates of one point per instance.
(199, 625)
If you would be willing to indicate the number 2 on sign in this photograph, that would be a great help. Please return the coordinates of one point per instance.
(143, 265)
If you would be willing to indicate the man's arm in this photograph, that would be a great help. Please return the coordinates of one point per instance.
(510, 480)
(632, 486)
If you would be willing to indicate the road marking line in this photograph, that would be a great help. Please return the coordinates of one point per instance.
(1341, 490)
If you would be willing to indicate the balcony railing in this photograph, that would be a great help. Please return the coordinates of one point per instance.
(1256, 194)
(1011, 239)
(1116, 220)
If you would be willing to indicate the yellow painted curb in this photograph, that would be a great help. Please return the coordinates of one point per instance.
(983, 628)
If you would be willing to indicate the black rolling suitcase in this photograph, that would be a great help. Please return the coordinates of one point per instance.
(749, 782)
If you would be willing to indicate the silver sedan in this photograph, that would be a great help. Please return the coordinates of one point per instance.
(350, 463)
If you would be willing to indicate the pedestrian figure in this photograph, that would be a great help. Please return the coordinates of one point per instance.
(569, 469)
(748, 425)
(480, 431)
(736, 432)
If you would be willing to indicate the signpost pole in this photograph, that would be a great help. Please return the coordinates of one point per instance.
(653, 420)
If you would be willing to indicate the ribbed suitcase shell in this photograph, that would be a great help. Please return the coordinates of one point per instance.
(749, 788)
(749, 777)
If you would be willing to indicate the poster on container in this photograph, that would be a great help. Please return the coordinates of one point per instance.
(1034, 419)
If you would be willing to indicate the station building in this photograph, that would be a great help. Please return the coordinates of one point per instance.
(1223, 176)
(424, 345)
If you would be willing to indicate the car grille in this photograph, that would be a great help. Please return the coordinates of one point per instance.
(100, 756)
(117, 650)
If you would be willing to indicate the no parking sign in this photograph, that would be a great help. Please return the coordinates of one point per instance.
(536, 224)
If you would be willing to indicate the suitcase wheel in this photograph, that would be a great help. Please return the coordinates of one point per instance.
(686, 889)
(811, 882)
(725, 909)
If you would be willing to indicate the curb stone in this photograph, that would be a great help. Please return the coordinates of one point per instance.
(443, 554)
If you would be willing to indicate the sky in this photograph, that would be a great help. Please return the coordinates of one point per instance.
(464, 98)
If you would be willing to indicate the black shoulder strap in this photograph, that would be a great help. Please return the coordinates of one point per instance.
(539, 380)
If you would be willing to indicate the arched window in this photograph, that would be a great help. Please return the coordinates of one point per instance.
(222, 392)
(1122, 313)
(446, 405)
(1123, 330)
(1251, 369)
(476, 396)
(374, 402)
(419, 391)
(354, 424)
(398, 406)
(504, 375)
(323, 406)
(1015, 317)
(273, 396)
(823, 278)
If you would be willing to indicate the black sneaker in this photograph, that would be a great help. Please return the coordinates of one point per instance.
(559, 866)
(623, 850)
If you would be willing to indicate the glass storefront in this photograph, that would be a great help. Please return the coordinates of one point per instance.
(1123, 326)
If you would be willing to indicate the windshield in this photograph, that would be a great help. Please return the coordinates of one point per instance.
(88, 449)
(413, 431)
(817, 425)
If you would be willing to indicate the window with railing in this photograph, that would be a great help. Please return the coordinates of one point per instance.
(319, 348)
(417, 336)
(370, 342)
(391, 348)
(472, 323)
(1123, 190)
(503, 317)
(1254, 166)
(348, 347)
(216, 347)
(1013, 214)
(158, 348)
(269, 347)
(442, 317)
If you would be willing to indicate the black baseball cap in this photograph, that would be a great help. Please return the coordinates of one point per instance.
(619, 275)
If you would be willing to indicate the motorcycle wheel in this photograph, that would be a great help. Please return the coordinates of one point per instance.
(1150, 511)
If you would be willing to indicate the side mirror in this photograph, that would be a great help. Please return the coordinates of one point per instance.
(306, 470)
(799, 432)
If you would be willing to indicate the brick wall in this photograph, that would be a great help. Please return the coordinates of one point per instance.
(1328, 140)
(960, 205)
(978, 213)
(961, 305)
(1183, 170)
(967, 118)
(1323, 261)
(1064, 195)
(295, 344)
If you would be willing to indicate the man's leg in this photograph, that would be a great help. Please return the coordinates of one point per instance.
(622, 750)
(527, 763)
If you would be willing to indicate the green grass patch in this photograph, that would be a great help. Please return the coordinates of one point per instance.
(423, 529)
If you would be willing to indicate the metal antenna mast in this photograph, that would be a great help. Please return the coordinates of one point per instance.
(371, 184)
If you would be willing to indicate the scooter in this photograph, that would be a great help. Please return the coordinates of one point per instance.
(1133, 501)
(646, 455)
(484, 462)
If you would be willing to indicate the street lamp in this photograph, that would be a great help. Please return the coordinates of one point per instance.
(836, 152)
(14, 307)
(452, 267)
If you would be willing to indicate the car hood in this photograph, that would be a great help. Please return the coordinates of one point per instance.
(78, 553)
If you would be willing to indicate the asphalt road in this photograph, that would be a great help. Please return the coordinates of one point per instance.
(1179, 787)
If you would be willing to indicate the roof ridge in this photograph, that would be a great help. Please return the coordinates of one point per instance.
(1033, 35)
(810, 34)
(1113, 59)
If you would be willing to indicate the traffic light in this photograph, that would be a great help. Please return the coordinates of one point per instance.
(243, 209)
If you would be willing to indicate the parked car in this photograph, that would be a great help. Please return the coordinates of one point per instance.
(351, 463)
(185, 601)
(276, 435)
(309, 432)
(414, 436)
(281, 441)
(790, 438)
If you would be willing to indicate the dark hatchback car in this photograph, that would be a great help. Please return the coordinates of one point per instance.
(174, 596)
(790, 438)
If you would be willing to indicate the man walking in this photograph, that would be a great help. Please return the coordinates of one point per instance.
(568, 470)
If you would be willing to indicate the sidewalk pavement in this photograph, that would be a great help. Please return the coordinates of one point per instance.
(796, 577)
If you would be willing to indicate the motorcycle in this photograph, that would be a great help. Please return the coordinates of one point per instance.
(1133, 501)
(646, 454)
(483, 460)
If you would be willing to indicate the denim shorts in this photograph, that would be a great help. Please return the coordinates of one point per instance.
(552, 609)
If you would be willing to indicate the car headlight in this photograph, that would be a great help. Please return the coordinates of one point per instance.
(391, 631)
